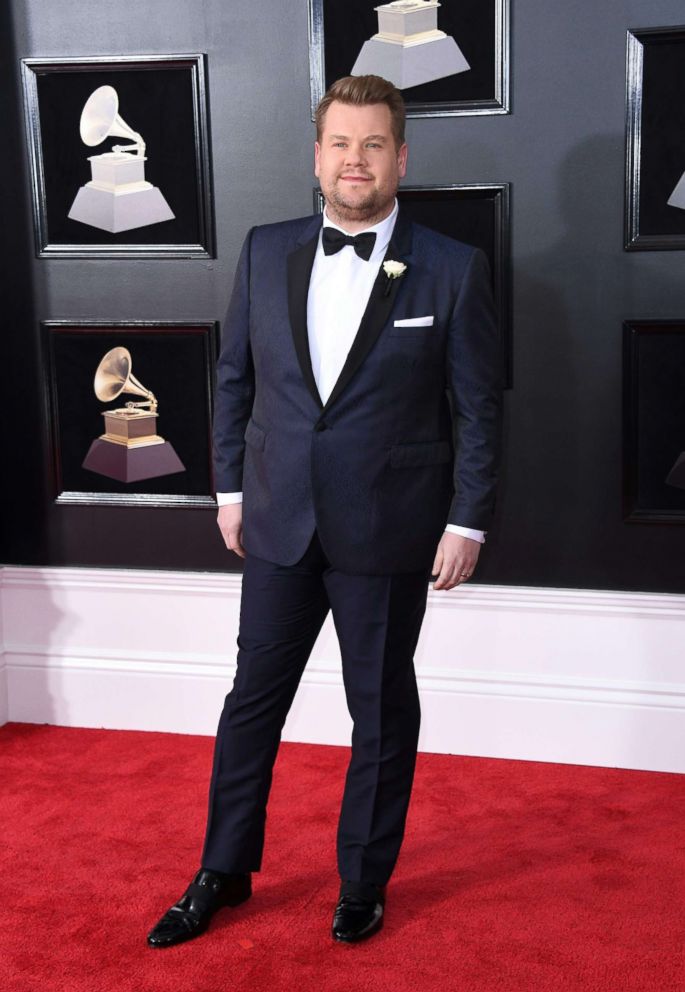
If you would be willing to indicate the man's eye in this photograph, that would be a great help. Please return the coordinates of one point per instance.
(373, 144)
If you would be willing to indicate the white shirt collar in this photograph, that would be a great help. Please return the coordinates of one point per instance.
(383, 230)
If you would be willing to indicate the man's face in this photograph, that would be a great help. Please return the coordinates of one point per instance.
(358, 165)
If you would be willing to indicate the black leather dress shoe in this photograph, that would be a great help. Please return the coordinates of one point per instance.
(359, 912)
(190, 916)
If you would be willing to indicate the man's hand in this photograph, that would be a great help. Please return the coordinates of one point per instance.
(230, 521)
(455, 560)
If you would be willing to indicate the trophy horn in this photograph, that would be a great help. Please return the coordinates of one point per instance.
(100, 119)
(113, 376)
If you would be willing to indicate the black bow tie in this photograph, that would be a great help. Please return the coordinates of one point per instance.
(333, 240)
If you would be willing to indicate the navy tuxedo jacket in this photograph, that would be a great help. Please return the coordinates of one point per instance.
(409, 438)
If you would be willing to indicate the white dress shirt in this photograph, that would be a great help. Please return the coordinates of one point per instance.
(339, 290)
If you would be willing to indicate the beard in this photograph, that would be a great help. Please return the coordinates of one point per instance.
(372, 205)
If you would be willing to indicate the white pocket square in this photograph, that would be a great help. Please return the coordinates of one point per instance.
(415, 322)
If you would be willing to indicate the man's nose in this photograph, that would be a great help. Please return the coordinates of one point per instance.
(356, 154)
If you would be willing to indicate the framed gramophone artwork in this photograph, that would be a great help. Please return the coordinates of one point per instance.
(448, 57)
(478, 214)
(129, 409)
(654, 421)
(655, 139)
(119, 150)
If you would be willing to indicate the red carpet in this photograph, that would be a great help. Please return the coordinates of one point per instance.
(513, 875)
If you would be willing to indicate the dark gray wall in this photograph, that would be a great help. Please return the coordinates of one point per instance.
(559, 519)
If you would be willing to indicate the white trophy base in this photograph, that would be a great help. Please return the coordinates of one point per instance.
(410, 65)
(677, 197)
(120, 210)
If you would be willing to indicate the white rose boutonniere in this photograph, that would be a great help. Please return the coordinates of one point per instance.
(393, 270)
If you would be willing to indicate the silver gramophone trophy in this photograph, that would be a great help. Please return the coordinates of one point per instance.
(676, 477)
(677, 197)
(118, 197)
(130, 449)
(409, 49)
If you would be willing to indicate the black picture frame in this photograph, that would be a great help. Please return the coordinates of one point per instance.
(338, 29)
(479, 214)
(164, 98)
(655, 148)
(174, 359)
(653, 420)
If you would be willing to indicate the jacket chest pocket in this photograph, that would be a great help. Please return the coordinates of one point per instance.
(418, 335)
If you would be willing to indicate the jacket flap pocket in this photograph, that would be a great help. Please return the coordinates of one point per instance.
(254, 435)
(422, 453)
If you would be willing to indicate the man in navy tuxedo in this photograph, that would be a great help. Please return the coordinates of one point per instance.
(356, 430)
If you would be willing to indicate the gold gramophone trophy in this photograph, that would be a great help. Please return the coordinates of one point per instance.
(130, 449)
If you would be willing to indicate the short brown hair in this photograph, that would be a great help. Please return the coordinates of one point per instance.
(360, 91)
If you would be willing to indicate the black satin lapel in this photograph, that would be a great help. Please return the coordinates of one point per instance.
(378, 309)
(300, 263)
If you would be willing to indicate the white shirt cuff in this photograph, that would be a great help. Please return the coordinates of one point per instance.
(475, 535)
(224, 498)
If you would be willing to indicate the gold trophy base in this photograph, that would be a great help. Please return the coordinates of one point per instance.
(136, 442)
(131, 426)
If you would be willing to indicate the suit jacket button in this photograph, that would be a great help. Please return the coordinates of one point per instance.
(321, 426)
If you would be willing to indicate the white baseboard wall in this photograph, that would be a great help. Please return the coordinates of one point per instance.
(4, 700)
(560, 675)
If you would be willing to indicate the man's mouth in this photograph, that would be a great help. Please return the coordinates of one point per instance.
(356, 179)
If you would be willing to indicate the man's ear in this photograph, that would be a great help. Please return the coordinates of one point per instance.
(402, 160)
(317, 154)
